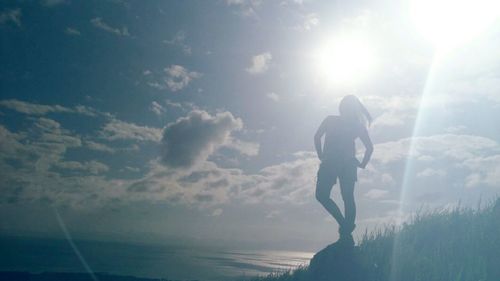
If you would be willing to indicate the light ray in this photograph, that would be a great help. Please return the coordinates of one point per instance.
(77, 252)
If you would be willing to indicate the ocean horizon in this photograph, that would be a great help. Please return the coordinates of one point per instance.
(145, 260)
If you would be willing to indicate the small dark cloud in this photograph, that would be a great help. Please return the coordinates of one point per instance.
(194, 177)
(145, 186)
(218, 183)
(13, 16)
(204, 197)
(193, 138)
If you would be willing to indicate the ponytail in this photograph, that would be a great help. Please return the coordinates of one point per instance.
(365, 112)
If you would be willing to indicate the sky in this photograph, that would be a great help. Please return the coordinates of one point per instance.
(192, 122)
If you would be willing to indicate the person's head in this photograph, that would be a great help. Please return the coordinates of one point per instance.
(352, 108)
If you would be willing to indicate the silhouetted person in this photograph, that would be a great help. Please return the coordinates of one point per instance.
(338, 159)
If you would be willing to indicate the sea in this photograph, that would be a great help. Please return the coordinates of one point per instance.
(144, 260)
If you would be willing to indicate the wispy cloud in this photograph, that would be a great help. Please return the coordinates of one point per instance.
(376, 193)
(72, 31)
(177, 78)
(92, 167)
(42, 109)
(246, 8)
(157, 108)
(244, 147)
(260, 63)
(92, 145)
(273, 96)
(309, 21)
(179, 40)
(121, 130)
(99, 23)
(13, 16)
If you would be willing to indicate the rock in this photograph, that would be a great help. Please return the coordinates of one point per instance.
(337, 262)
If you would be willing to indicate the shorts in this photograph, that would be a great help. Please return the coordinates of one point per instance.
(329, 171)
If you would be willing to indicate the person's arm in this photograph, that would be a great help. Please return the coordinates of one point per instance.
(317, 138)
(367, 142)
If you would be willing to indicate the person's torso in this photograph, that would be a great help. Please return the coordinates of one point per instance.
(339, 139)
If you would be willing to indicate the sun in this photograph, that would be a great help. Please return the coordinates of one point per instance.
(448, 23)
(344, 60)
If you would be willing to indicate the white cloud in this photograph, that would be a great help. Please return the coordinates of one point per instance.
(13, 16)
(157, 85)
(178, 77)
(206, 184)
(260, 63)
(157, 109)
(132, 169)
(376, 193)
(486, 170)
(273, 96)
(217, 212)
(244, 147)
(246, 8)
(93, 167)
(235, 2)
(32, 108)
(98, 146)
(387, 179)
(179, 40)
(459, 147)
(120, 130)
(435, 169)
(173, 104)
(456, 129)
(310, 21)
(31, 162)
(72, 31)
(41, 109)
(428, 172)
(99, 23)
(40, 147)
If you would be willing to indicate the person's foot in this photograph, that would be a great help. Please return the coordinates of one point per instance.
(345, 232)
(347, 240)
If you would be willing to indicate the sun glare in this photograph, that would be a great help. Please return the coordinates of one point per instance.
(344, 60)
(448, 23)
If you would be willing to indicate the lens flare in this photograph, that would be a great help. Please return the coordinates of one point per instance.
(449, 23)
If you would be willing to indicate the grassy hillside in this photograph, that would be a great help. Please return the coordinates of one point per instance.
(462, 245)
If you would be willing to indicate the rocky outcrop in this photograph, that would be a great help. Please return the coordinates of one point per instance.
(337, 262)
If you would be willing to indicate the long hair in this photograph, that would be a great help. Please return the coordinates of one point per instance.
(351, 107)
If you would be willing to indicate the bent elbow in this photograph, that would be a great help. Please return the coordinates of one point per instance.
(317, 138)
(369, 149)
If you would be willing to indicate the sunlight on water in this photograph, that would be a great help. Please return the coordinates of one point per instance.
(250, 263)
(152, 261)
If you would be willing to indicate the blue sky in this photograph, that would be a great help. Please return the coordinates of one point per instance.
(192, 121)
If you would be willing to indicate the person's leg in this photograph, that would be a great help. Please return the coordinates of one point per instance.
(347, 191)
(323, 190)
